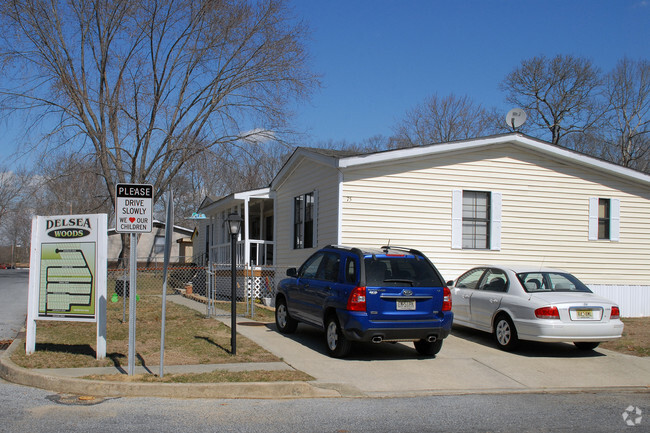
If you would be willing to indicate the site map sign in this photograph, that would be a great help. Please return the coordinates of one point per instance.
(67, 274)
(67, 286)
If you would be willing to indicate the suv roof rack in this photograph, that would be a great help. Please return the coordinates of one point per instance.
(407, 250)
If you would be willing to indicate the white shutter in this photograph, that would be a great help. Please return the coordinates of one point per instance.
(614, 219)
(593, 218)
(495, 222)
(457, 219)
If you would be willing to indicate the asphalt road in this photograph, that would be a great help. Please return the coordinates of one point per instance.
(13, 301)
(34, 410)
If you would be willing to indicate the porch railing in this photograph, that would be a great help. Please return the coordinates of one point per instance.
(261, 253)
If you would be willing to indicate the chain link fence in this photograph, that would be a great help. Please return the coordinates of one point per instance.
(208, 284)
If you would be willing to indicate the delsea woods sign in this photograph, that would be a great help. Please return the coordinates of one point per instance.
(67, 277)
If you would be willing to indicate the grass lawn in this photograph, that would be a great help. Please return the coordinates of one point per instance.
(635, 339)
(190, 338)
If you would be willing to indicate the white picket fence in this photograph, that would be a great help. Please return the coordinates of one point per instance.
(634, 301)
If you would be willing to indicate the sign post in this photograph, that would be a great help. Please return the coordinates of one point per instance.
(133, 214)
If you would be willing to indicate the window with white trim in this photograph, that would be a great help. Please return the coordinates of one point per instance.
(604, 218)
(304, 211)
(476, 220)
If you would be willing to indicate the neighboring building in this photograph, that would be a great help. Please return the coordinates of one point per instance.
(500, 199)
(151, 245)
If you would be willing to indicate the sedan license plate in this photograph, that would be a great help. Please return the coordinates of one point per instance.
(584, 314)
(406, 305)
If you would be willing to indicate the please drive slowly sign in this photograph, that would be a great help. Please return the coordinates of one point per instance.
(133, 208)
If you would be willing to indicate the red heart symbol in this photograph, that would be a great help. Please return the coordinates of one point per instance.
(132, 220)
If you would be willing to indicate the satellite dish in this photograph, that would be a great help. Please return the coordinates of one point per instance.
(515, 118)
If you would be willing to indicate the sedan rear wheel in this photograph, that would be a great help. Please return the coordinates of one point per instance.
(337, 345)
(505, 333)
(586, 345)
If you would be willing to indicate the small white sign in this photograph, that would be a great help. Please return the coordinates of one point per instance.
(133, 208)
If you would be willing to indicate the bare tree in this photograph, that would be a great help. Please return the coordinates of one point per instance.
(68, 184)
(12, 189)
(145, 86)
(441, 119)
(628, 123)
(558, 94)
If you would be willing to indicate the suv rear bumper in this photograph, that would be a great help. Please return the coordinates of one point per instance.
(356, 329)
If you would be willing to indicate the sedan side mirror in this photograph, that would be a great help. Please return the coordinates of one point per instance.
(292, 272)
(450, 283)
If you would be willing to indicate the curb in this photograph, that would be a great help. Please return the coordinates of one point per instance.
(98, 388)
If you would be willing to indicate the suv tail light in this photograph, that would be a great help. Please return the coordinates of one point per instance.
(547, 313)
(446, 299)
(357, 299)
(616, 313)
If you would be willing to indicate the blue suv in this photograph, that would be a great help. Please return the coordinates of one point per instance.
(384, 295)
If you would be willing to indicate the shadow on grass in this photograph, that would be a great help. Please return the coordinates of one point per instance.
(74, 349)
(214, 343)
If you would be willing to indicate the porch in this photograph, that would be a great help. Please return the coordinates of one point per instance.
(255, 244)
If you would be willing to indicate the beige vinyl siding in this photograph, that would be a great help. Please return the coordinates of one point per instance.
(545, 212)
(306, 178)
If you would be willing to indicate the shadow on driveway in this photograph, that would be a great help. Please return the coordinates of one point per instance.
(314, 339)
(532, 349)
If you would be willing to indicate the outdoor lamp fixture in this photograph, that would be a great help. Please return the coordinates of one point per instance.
(233, 223)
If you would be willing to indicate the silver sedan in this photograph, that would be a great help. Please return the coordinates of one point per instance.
(517, 303)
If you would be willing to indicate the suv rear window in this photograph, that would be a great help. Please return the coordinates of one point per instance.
(400, 271)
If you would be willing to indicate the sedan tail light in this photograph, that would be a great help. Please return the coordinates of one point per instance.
(616, 313)
(446, 300)
(357, 299)
(547, 313)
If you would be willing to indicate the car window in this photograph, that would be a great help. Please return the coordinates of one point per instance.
(533, 282)
(494, 280)
(310, 268)
(566, 283)
(551, 282)
(350, 270)
(469, 280)
(329, 268)
(400, 271)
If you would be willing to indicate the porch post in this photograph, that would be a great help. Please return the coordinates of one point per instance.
(247, 237)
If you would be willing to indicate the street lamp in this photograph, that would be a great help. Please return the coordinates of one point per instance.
(233, 223)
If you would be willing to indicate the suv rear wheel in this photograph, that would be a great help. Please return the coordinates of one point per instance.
(337, 345)
(426, 348)
(283, 321)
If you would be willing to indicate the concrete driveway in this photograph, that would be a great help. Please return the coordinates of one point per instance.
(468, 363)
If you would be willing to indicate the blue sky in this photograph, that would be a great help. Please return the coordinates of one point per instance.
(380, 58)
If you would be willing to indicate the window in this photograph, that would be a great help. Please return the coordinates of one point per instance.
(469, 280)
(476, 220)
(603, 218)
(303, 221)
(351, 270)
(159, 245)
(322, 266)
(494, 280)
